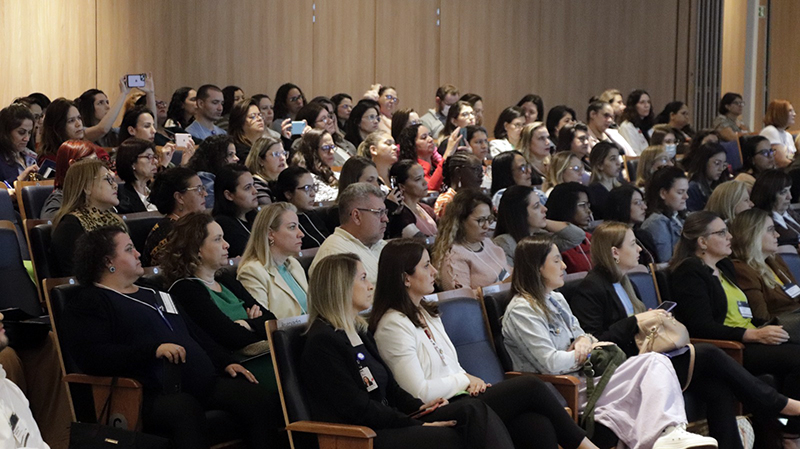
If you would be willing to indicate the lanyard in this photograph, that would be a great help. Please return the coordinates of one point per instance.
(159, 309)
(427, 330)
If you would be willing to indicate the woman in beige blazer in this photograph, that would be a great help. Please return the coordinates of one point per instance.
(268, 269)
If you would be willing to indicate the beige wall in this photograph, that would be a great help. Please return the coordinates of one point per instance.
(784, 64)
(565, 51)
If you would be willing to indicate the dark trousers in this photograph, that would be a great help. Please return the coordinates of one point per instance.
(532, 414)
(782, 362)
(719, 382)
(182, 417)
(477, 427)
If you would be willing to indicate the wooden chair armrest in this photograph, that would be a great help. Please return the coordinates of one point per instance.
(567, 387)
(734, 349)
(326, 428)
(126, 404)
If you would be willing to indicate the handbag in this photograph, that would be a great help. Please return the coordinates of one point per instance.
(602, 361)
(659, 332)
(102, 436)
(790, 322)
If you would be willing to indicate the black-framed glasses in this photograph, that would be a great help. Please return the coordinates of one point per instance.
(380, 212)
(109, 179)
(766, 153)
(295, 98)
(487, 220)
(328, 148)
(308, 188)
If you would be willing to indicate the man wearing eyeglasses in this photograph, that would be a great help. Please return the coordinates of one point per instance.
(209, 110)
(446, 96)
(363, 218)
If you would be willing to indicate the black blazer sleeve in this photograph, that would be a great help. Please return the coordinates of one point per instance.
(601, 314)
(196, 303)
(129, 201)
(702, 304)
(88, 324)
(331, 379)
(62, 245)
(259, 325)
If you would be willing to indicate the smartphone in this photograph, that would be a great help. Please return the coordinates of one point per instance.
(393, 182)
(427, 411)
(136, 80)
(463, 133)
(667, 305)
(182, 140)
(298, 127)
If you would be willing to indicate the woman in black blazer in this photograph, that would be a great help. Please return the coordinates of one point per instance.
(136, 165)
(703, 283)
(347, 382)
(606, 304)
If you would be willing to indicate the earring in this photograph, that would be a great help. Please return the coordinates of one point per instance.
(271, 242)
(616, 260)
(459, 183)
(112, 269)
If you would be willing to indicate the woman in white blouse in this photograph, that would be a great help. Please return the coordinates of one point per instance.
(780, 116)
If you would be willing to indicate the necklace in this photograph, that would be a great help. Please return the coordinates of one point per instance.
(243, 226)
(212, 282)
(475, 250)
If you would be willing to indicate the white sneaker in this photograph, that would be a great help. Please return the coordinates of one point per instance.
(676, 437)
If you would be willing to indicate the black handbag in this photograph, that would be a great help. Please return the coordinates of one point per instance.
(791, 324)
(102, 436)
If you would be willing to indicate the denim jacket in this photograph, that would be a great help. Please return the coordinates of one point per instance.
(666, 232)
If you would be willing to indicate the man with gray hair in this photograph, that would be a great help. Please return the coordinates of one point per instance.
(363, 219)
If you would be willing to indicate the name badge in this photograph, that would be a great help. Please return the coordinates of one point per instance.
(169, 306)
(744, 309)
(792, 290)
(369, 380)
(19, 429)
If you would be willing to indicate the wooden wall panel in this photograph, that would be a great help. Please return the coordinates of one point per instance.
(784, 65)
(344, 47)
(48, 47)
(407, 58)
(734, 38)
(185, 42)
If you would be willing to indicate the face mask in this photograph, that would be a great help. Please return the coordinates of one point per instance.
(445, 109)
(672, 149)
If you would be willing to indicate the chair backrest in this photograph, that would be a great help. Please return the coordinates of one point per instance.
(19, 291)
(783, 249)
(139, 226)
(7, 212)
(305, 258)
(286, 347)
(632, 164)
(57, 292)
(645, 282)
(463, 319)
(32, 198)
(571, 283)
(793, 262)
(495, 301)
(734, 154)
(39, 234)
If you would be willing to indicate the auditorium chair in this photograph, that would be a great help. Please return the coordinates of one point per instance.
(31, 196)
(139, 226)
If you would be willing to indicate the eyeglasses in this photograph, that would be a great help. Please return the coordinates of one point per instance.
(414, 123)
(326, 119)
(308, 188)
(517, 125)
(328, 148)
(766, 153)
(372, 118)
(201, 189)
(380, 212)
(254, 117)
(722, 233)
(279, 154)
(109, 179)
(161, 104)
(584, 205)
(295, 98)
(149, 157)
(392, 99)
(487, 220)
(524, 168)
(575, 168)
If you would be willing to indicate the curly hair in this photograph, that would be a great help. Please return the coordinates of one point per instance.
(211, 154)
(92, 253)
(180, 258)
(407, 141)
(451, 229)
(308, 149)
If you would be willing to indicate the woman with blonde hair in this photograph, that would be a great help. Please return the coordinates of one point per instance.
(760, 271)
(464, 253)
(266, 160)
(90, 195)
(564, 167)
(339, 352)
(534, 143)
(268, 269)
(651, 159)
(729, 199)
(380, 148)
